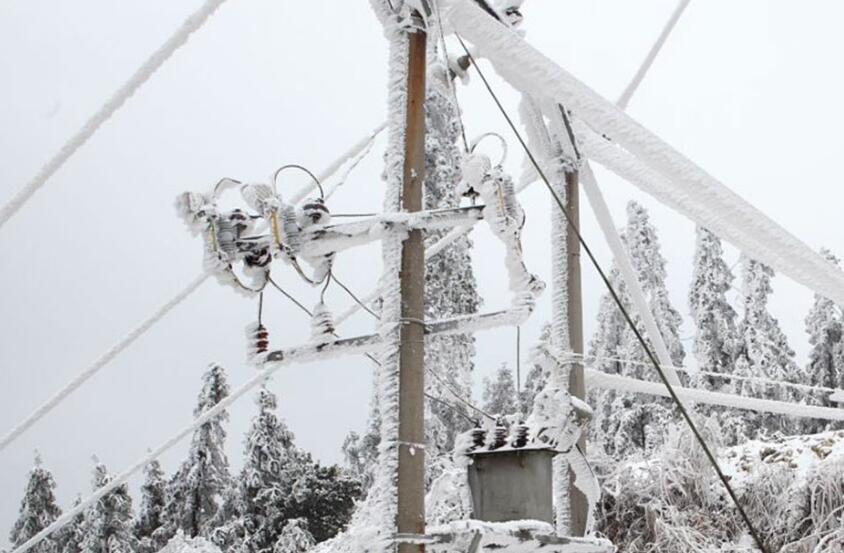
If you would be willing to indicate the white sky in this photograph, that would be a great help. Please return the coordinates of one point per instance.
(749, 90)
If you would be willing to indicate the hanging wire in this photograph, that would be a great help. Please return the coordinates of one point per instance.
(301, 306)
(457, 396)
(449, 78)
(325, 287)
(476, 142)
(354, 297)
(348, 215)
(627, 317)
(454, 408)
(358, 159)
(295, 166)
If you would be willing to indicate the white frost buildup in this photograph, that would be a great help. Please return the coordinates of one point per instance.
(665, 172)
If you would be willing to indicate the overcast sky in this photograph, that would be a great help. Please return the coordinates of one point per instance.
(750, 90)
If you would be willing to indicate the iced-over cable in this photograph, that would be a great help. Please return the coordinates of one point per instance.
(115, 102)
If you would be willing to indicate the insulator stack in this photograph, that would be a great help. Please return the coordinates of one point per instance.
(258, 339)
(521, 435)
(315, 212)
(499, 436)
(322, 324)
(478, 438)
(226, 235)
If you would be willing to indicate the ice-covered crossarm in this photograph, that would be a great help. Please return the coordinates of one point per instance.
(684, 185)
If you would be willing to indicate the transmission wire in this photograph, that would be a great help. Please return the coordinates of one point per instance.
(685, 414)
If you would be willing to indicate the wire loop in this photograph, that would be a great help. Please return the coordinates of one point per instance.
(500, 138)
(295, 166)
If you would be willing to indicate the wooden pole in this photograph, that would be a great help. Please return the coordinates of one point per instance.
(411, 477)
(578, 504)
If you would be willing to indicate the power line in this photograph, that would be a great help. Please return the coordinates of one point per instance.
(573, 228)
(631, 88)
(101, 362)
(301, 306)
(296, 355)
(354, 297)
(193, 23)
(725, 376)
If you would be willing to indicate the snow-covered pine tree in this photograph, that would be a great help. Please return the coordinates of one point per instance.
(73, 533)
(450, 289)
(765, 348)
(324, 497)
(194, 492)
(536, 377)
(108, 523)
(605, 353)
(450, 286)
(826, 358)
(640, 240)
(620, 414)
(294, 537)
(714, 317)
(361, 451)
(37, 511)
(151, 513)
(271, 467)
(500, 393)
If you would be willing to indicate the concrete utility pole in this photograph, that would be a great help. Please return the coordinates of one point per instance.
(411, 477)
(578, 504)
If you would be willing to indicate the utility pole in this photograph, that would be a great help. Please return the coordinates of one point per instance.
(411, 477)
(578, 504)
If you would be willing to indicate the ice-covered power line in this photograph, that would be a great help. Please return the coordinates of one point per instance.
(351, 154)
(684, 186)
(592, 360)
(631, 88)
(101, 362)
(627, 384)
(302, 354)
(115, 102)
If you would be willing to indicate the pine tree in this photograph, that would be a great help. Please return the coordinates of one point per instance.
(194, 492)
(73, 533)
(324, 497)
(450, 286)
(108, 523)
(151, 515)
(826, 358)
(605, 353)
(714, 318)
(37, 511)
(764, 347)
(616, 348)
(642, 245)
(500, 393)
(536, 377)
(361, 451)
(295, 537)
(450, 289)
(271, 467)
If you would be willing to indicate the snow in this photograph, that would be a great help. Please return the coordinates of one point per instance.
(647, 160)
(519, 536)
(182, 544)
(801, 455)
